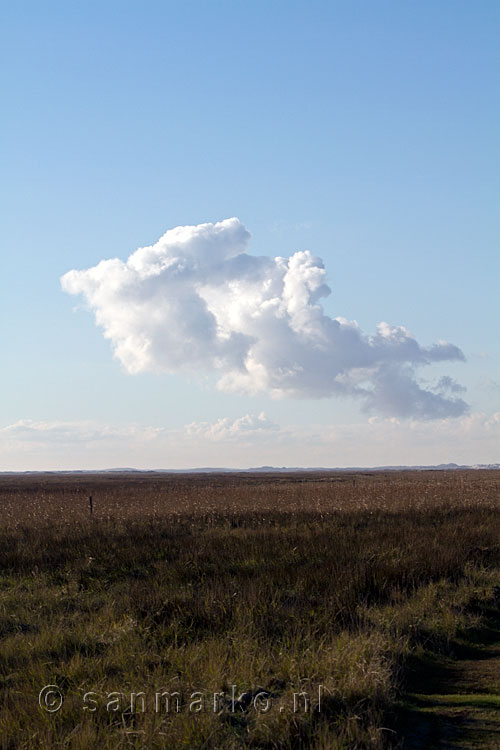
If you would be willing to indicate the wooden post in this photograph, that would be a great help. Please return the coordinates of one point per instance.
(91, 507)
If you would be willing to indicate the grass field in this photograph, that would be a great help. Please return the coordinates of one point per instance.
(269, 611)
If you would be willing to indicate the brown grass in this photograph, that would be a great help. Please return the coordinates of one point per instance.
(281, 583)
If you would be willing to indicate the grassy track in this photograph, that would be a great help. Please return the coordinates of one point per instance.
(456, 703)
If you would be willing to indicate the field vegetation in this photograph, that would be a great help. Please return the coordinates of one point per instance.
(311, 605)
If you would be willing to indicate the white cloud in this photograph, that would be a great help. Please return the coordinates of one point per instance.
(243, 429)
(249, 441)
(30, 432)
(197, 302)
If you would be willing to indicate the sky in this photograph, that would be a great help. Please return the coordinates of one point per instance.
(249, 233)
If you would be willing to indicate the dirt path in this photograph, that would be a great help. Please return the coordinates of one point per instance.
(455, 703)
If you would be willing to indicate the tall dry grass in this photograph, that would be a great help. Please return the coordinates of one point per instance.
(318, 584)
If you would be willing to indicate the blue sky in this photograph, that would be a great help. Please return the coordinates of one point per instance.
(364, 132)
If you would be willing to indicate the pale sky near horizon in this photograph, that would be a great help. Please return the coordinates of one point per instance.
(365, 133)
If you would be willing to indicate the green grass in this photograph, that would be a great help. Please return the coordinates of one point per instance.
(468, 699)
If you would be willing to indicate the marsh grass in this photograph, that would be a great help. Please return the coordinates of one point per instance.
(317, 584)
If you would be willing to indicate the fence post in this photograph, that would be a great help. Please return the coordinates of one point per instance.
(91, 507)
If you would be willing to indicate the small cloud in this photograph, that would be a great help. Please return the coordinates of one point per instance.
(281, 227)
(71, 433)
(448, 385)
(243, 428)
(489, 384)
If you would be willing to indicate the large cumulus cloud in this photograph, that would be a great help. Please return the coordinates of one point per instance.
(196, 301)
